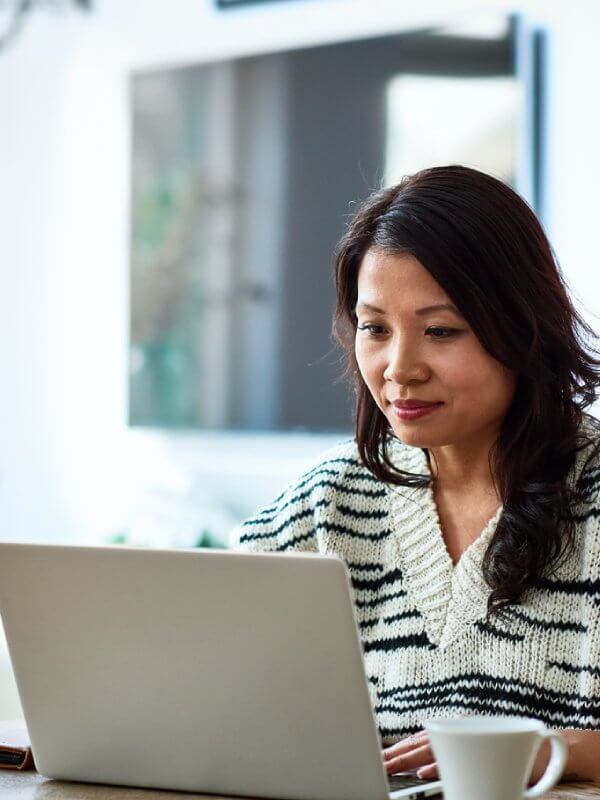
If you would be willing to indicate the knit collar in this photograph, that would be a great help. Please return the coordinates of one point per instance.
(448, 596)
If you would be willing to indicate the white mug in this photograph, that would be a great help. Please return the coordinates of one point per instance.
(490, 758)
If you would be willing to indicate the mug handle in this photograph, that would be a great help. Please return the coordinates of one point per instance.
(556, 765)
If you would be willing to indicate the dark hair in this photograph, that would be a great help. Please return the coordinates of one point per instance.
(485, 247)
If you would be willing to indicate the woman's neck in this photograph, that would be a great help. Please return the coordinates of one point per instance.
(462, 468)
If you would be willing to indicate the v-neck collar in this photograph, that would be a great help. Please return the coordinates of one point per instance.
(447, 595)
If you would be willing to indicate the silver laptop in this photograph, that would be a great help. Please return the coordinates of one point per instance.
(204, 671)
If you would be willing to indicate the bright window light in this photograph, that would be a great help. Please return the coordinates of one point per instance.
(433, 120)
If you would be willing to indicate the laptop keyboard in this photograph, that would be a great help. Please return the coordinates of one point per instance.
(405, 782)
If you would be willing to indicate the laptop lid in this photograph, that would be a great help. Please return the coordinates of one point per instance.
(201, 670)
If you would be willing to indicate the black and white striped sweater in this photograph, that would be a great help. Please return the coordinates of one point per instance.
(428, 649)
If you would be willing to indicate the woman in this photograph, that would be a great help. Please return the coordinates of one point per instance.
(467, 508)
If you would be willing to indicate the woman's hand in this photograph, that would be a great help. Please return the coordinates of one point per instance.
(415, 753)
(412, 753)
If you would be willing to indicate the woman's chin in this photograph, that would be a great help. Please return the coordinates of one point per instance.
(416, 435)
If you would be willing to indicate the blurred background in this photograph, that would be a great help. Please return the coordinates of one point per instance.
(173, 180)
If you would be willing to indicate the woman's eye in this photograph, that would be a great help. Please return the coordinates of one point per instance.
(441, 333)
(372, 330)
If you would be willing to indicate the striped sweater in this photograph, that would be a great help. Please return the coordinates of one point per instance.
(428, 649)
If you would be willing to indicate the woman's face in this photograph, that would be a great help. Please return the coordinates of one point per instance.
(413, 345)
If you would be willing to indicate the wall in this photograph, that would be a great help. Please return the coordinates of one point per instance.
(69, 468)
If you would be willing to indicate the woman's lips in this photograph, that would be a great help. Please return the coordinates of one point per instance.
(413, 411)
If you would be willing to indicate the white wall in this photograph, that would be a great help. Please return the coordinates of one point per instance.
(69, 467)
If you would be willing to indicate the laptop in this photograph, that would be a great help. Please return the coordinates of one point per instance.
(196, 670)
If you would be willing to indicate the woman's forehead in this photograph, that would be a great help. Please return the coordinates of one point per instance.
(386, 279)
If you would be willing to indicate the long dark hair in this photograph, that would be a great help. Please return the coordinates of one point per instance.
(484, 246)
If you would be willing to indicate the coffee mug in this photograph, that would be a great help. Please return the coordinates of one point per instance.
(490, 758)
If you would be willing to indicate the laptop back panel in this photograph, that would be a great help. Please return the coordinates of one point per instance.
(195, 670)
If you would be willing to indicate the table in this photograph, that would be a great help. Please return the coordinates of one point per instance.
(31, 786)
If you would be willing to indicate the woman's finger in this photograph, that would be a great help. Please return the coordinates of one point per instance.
(428, 772)
(405, 745)
(413, 759)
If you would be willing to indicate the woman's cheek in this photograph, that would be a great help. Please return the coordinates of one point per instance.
(363, 360)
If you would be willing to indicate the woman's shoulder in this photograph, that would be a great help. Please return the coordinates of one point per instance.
(340, 458)
(590, 429)
(344, 462)
(586, 505)
(293, 517)
(587, 466)
(338, 468)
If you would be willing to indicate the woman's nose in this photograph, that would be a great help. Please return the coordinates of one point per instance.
(404, 364)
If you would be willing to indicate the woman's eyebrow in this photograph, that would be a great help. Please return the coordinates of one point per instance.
(439, 307)
(369, 307)
(426, 310)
